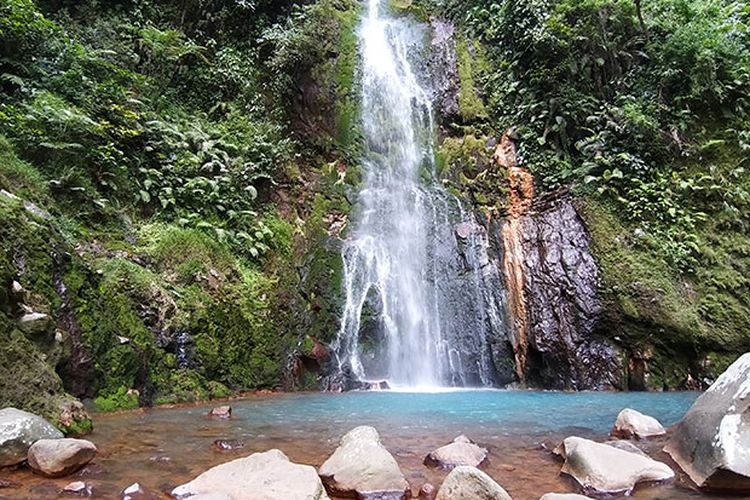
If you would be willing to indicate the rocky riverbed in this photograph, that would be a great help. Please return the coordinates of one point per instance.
(323, 452)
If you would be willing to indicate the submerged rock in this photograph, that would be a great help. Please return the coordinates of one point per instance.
(712, 442)
(634, 424)
(77, 489)
(564, 496)
(362, 466)
(222, 412)
(60, 457)
(137, 491)
(18, 431)
(469, 483)
(462, 451)
(260, 476)
(603, 469)
(228, 444)
(427, 492)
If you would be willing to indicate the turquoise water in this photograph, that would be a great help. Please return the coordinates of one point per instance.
(523, 412)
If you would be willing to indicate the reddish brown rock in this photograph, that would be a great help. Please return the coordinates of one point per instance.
(221, 412)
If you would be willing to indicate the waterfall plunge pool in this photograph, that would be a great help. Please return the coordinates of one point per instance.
(164, 447)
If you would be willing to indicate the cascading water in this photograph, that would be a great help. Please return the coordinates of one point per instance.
(423, 302)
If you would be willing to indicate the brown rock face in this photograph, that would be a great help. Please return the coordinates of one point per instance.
(552, 283)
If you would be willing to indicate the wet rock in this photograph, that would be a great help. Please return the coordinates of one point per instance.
(625, 446)
(427, 492)
(361, 466)
(77, 489)
(712, 442)
(462, 451)
(560, 288)
(35, 323)
(564, 496)
(260, 476)
(604, 469)
(464, 230)
(228, 444)
(469, 483)
(91, 470)
(379, 385)
(137, 491)
(18, 431)
(634, 424)
(221, 412)
(60, 457)
(443, 69)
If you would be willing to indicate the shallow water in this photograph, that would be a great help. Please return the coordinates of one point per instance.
(162, 448)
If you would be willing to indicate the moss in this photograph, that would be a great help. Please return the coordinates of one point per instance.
(347, 104)
(689, 323)
(471, 60)
(79, 428)
(121, 399)
(217, 390)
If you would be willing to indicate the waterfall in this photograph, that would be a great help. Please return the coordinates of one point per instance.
(423, 299)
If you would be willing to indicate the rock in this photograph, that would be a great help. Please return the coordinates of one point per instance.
(712, 442)
(74, 419)
(78, 489)
(604, 469)
(427, 492)
(379, 385)
(462, 451)
(625, 446)
(464, 230)
(634, 424)
(228, 444)
(136, 491)
(260, 476)
(564, 496)
(34, 323)
(60, 457)
(469, 483)
(6, 483)
(362, 466)
(223, 412)
(18, 431)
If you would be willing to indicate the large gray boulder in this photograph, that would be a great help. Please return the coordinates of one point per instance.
(634, 424)
(603, 469)
(18, 431)
(712, 442)
(462, 451)
(469, 483)
(60, 457)
(362, 467)
(260, 476)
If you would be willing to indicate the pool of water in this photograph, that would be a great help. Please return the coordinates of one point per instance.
(164, 447)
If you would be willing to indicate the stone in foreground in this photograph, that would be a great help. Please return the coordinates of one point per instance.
(603, 469)
(712, 442)
(18, 431)
(469, 483)
(634, 424)
(362, 467)
(462, 451)
(137, 491)
(564, 496)
(60, 457)
(260, 476)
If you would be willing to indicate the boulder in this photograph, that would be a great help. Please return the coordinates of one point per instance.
(260, 476)
(427, 492)
(462, 451)
(603, 469)
(564, 496)
(222, 412)
(469, 483)
(712, 442)
(634, 424)
(60, 457)
(362, 467)
(18, 431)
